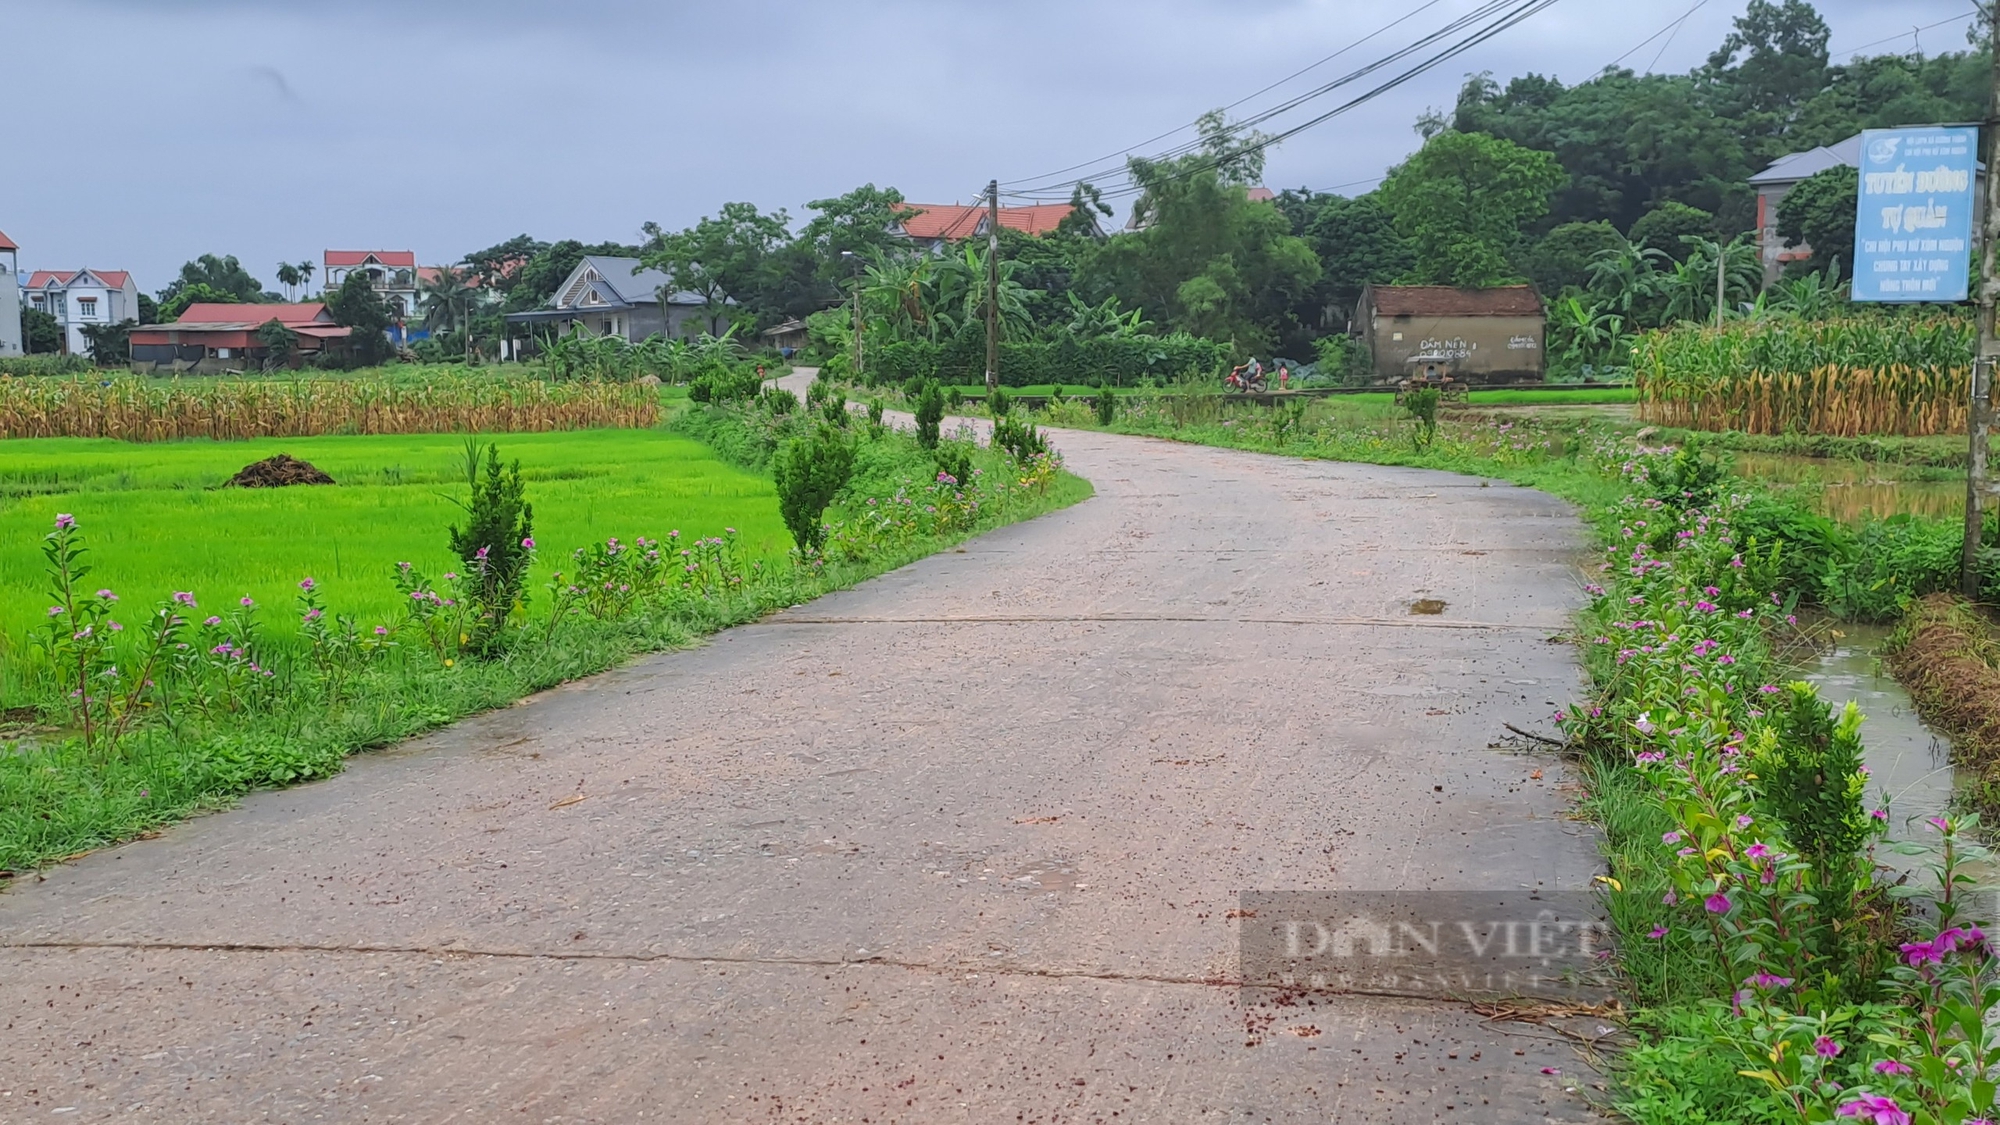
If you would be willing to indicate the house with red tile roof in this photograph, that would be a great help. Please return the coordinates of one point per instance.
(10, 297)
(211, 338)
(393, 272)
(83, 297)
(933, 226)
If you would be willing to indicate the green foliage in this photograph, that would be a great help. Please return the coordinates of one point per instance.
(110, 344)
(1820, 211)
(732, 256)
(810, 472)
(1666, 228)
(198, 293)
(495, 545)
(930, 414)
(1890, 564)
(41, 334)
(1463, 201)
(279, 341)
(1809, 776)
(1357, 244)
(357, 305)
(217, 279)
(776, 401)
(1561, 259)
(1688, 478)
(1106, 405)
(1022, 441)
(999, 403)
(1421, 405)
(954, 460)
(1208, 260)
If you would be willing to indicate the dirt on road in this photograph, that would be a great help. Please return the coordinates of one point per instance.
(960, 845)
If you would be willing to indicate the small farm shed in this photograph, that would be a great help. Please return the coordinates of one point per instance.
(1478, 336)
(211, 338)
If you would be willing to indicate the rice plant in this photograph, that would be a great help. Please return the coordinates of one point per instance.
(1847, 377)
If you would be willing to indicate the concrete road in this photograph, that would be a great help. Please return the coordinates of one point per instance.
(957, 846)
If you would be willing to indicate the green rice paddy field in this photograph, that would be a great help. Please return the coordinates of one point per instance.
(156, 522)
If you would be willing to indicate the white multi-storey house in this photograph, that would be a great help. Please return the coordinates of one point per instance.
(10, 298)
(80, 297)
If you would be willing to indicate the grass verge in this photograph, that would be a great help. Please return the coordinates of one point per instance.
(226, 730)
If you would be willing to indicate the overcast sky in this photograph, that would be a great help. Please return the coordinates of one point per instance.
(144, 132)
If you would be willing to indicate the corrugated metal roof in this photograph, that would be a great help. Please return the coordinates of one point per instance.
(632, 288)
(291, 316)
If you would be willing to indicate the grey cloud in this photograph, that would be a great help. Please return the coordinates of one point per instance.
(449, 125)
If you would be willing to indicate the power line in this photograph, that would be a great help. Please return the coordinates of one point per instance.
(1486, 8)
(1913, 31)
(1506, 14)
(1258, 93)
(1673, 27)
(1675, 34)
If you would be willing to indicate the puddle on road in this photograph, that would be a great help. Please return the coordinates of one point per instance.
(1427, 607)
(1054, 875)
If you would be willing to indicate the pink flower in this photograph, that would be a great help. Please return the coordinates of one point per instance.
(246, 602)
(528, 543)
(1880, 814)
(1891, 1066)
(1757, 851)
(1767, 981)
(212, 622)
(381, 630)
(1552, 1070)
(1826, 1048)
(1744, 821)
(65, 521)
(307, 584)
(1875, 1109)
(1717, 903)
(1658, 932)
(1671, 838)
(184, 597)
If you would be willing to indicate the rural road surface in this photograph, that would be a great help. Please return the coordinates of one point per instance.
(959, 845)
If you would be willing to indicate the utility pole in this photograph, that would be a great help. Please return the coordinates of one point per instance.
(1721, 280)
(1980, 414)
(992, 287)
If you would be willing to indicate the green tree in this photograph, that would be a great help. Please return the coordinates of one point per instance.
(279, 343)
(199, 293)
(1767, 69)
(1358, 245)
(1560, 260)
(357, 305)
(149, 310)
(1665, 227)
(496, 543)
(288, 276)
(219, 275)
(40, 333)
(110, 344)
(446, 299)
(858, 223)
(1463, 201)
(1207, 259)
(1820, 212)
(725, 258)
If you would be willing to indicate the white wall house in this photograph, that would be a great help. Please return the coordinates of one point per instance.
(79, 297)
(394, 273)
(10, 298)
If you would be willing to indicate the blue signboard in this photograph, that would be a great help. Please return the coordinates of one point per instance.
(1913, 235)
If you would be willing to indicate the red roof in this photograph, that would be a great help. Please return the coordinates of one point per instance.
(116, 279)
(1262, 195)
(291, 316)
(957, 220)
(356, 257)
(427, 274)
(1443, 300)
(7, 243)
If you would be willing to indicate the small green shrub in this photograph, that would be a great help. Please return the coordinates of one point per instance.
(1691, 478)
(930, 414)
(999, 403)
(778, 402)
(834, 409)
(954, 460)
(1422, 406)
(1107, 405)
(810, 472)
(495, 545)
(1021, 441)
(1810, 778)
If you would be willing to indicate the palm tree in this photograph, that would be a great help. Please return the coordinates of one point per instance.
(305, 269)
(288, 276)
(446, 299)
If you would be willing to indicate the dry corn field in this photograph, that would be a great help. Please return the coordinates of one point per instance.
(135, 410)
(1905, 376)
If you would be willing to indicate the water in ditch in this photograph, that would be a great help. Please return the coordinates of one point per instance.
(1909, 767)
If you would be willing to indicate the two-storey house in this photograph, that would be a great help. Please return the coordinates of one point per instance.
(83, 297)
(10, 298)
